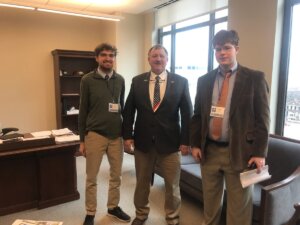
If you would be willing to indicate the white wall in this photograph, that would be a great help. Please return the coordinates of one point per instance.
(259, 24)
(27, 78)
(130, 41)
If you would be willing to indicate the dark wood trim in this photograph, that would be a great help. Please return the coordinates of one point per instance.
(67, 64)
(38, 177)
(285, 138)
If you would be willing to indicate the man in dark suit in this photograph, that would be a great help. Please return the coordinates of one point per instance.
(229, 137)
(156, 120)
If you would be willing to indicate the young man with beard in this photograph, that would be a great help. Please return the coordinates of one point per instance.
(100, 123)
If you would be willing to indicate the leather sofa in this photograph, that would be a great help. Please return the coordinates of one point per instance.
(275, 201)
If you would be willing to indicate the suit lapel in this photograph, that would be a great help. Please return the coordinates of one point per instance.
(239, 86)
(145, 89)
(210, 87)
(169, 86)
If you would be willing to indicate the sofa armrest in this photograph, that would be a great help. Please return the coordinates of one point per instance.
(277, 200)
(295, 220)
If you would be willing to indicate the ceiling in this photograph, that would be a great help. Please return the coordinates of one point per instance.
(112, 7)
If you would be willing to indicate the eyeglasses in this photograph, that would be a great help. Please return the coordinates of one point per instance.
(225, 48)
(107, 55)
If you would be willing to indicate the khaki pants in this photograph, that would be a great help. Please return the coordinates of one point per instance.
(96, 146)
(169, 164)
(215, 170)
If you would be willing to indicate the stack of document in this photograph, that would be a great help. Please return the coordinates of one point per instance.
(64, 135)
(61, 135)
(251, 176)
(36, 222)
(66, 138)
(63, 131)
(41, 134)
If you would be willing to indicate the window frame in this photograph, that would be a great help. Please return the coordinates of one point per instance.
(210, 23)
(284, 66)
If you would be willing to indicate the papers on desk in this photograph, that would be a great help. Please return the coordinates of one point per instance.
(66, 138)
(47, 133)
(35, 222)
(40, 134)
(61, 135)
(59, 132)
(64, 135)
(251, 176)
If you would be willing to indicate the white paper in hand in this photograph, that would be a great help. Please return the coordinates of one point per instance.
(251, 176)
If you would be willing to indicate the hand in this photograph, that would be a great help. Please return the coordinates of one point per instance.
(196, 153)
(82, 149)
(259, 162)
(129, 146)
(184, 149)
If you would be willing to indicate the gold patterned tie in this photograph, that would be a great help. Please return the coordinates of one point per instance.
(217, 121)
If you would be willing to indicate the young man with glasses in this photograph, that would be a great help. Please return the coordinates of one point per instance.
(229, 131)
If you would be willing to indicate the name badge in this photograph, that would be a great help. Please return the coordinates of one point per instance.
(113, 107)
(217, 111)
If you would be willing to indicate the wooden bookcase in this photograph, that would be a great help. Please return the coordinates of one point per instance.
(69, 66)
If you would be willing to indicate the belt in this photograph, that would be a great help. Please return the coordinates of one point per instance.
(218, 143)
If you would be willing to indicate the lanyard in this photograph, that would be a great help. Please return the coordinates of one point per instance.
(109, 89)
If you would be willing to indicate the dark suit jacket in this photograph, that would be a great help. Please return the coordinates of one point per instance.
(248, 116)
(164, 129)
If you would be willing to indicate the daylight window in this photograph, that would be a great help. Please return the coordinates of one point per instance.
(189, 45)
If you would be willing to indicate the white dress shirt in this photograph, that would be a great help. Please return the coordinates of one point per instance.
(163, 84)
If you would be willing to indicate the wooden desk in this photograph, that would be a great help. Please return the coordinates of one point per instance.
(37, 177)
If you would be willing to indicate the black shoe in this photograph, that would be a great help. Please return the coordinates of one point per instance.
(138, 221)
(118, 213)
(89, 220)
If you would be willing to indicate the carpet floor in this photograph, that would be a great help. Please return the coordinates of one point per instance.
(73, 213)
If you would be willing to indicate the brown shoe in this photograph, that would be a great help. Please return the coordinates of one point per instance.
(138, 221)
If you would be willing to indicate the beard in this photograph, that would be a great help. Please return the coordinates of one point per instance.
(106, 69)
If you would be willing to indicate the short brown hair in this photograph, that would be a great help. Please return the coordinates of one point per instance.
(225, 36)
(105, 46)
(158, 46)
